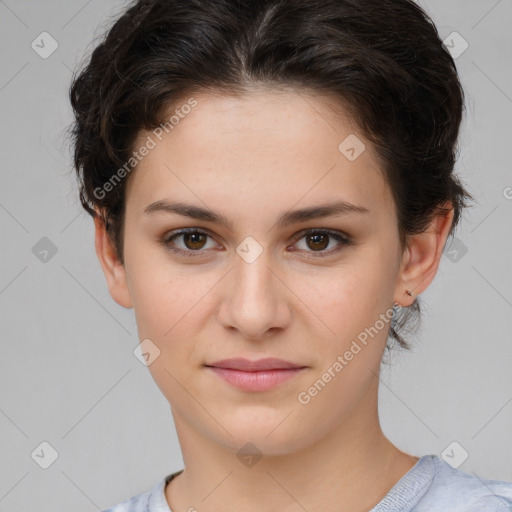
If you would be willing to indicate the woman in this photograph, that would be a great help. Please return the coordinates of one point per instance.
(272, 188)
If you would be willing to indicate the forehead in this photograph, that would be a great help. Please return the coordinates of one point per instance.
(258, 150)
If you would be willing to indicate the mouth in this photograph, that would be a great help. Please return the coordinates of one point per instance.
(259, 375)
(246, 365)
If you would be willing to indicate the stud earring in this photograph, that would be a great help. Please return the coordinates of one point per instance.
(396, 304)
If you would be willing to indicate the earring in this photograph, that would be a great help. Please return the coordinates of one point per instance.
(396, 304)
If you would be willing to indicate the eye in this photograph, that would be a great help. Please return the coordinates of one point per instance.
(194, 241)
(319, 239)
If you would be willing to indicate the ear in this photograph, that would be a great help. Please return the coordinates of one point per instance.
(421, 258)
(113, 269)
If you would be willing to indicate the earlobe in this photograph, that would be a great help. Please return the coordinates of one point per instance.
(114, 270)
(421, 259)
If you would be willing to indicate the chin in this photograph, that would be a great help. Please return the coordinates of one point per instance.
(266, 438)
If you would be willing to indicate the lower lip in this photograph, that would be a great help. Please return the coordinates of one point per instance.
(255, 381)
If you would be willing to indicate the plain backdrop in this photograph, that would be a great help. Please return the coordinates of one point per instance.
(69, 377)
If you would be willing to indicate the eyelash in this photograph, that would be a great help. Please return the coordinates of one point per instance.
(342, 239)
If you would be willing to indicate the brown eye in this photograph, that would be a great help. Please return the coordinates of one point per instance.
(318, 242)
(194, 241)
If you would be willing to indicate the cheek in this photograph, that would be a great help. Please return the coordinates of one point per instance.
(345, 299)
(349, 302)
(162, 293)
(168, 308)
(165, 302)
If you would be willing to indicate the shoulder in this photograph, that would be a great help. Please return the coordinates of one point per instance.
(463, 492)
(138, 503)
(148, 501)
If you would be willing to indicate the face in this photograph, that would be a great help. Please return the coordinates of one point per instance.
(255, 287)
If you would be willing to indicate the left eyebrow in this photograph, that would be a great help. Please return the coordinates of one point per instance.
(335, 208)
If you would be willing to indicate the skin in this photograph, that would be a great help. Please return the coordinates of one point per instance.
(251, 158)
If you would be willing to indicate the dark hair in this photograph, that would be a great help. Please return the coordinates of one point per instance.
(382, 60)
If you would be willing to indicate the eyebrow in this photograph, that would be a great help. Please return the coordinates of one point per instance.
(291, 217)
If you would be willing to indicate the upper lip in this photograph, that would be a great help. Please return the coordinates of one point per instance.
(239, 363)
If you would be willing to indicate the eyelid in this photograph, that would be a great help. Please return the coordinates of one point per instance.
(172, 235)
(333, 232)
(342, 238)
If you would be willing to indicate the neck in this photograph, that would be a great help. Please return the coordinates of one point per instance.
(352, 468)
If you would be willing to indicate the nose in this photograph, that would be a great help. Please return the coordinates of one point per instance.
(255, 300)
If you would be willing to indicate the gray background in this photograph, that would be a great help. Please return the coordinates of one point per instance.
(69, 376)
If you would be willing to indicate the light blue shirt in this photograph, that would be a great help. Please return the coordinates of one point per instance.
(431, 485)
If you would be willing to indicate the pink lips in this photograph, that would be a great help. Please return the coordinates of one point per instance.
(260, 375)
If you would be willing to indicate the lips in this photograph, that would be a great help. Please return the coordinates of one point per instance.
(255, 376)
(259, 365)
